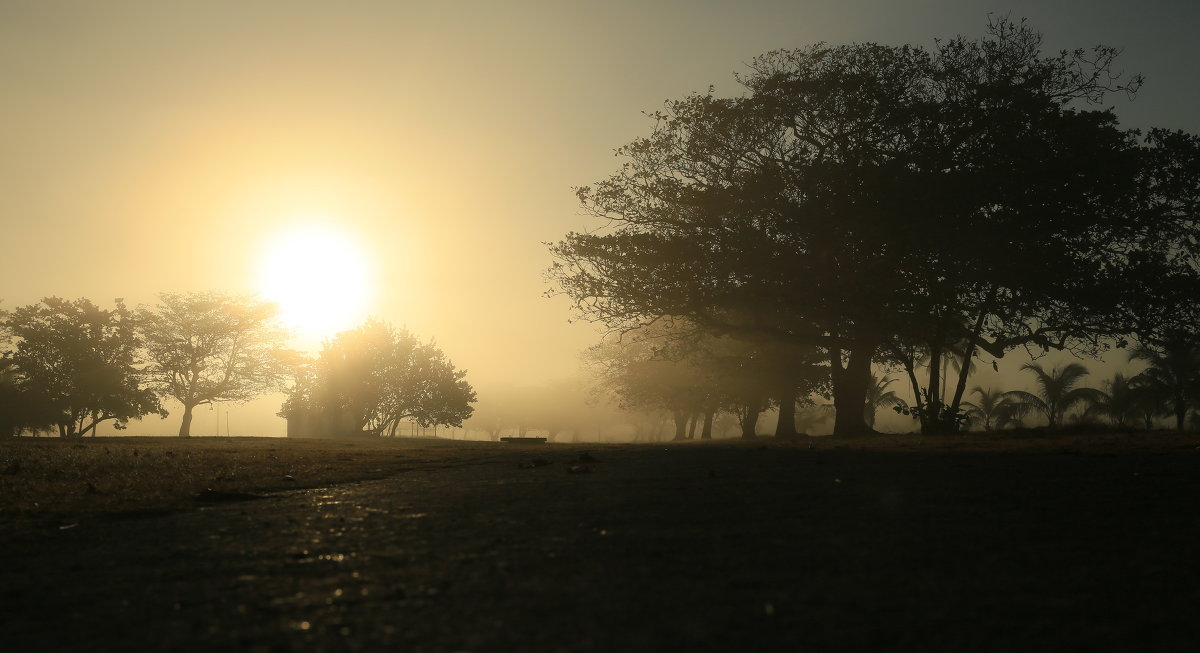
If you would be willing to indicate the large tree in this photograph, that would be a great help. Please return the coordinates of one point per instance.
(209, 347)
(372, 378)
(864, 197)
(78, 364)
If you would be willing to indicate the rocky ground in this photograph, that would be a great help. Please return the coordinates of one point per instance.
(760, 546)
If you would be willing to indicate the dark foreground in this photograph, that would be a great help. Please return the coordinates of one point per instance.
(709, 547)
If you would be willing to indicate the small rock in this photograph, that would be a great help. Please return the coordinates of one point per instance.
(579, 469)
(289, 477)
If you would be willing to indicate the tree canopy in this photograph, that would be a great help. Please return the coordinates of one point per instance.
(208, 347)
(869, 198)
(689, 372)
(75, 366)
(372, 378)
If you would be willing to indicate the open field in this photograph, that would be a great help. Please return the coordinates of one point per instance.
(897, 543)
(53, 477)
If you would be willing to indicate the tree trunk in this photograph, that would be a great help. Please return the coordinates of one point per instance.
(850, 390)
(786, 428)
(965, 369)
(706, 432)
(691, 434)
(749, 421)
(185, 427)
(681, 418)
(1180, 412)
(918, 403)
(936, 405)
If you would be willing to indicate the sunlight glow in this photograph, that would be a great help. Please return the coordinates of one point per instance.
(320, 278)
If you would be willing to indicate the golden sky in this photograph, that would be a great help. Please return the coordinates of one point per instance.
(165, 146)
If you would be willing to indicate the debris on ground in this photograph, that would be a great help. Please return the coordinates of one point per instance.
(217, 496)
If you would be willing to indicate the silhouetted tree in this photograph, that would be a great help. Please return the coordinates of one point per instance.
(878, 396)
(1173, 372)
(650, 370)
(696, 375)
(208, 347)
(10, 398)
(10, 422)
(1056, 392)
(992, 409)
(372, 378)
(1125, 400)
(842, 201)
(78, 363)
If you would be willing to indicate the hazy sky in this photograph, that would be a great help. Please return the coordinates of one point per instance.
(165, 146)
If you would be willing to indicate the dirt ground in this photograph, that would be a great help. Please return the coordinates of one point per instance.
(978, 544)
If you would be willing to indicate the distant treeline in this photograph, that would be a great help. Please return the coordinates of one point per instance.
(69, 366)
(697, 377)
(863, 207)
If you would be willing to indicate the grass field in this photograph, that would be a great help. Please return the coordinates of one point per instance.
(986, 542)
(52, 476)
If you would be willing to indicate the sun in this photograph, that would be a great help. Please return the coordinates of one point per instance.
(320, 279)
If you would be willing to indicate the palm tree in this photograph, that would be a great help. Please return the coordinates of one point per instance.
(1124, 400)
(993, 409)
(1173, 372)
(878, 396)
(1153, 401)
(1056, 392)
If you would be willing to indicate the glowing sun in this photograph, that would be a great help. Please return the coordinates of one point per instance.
(320, 279)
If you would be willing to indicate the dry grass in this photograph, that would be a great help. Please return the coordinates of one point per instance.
(46, 477)
(1033, 440)
(50, 476)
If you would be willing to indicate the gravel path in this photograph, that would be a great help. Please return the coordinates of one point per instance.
(644, 548)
